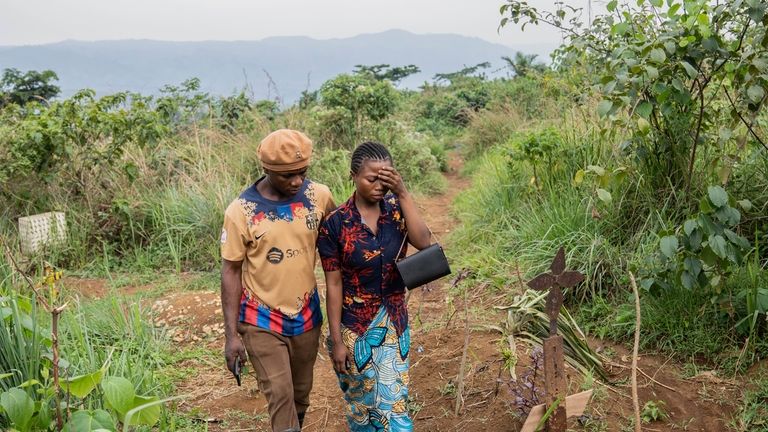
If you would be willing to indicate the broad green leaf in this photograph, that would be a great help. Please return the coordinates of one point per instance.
(657, 3)
(689, 22)
(19, 408)
(604, 196)
(718, 245)
(652, 72)
(646, 284)
(87, 421)
(611, 6)
(604, 107)
(679, 86)
(710, 44)
(745, 204)
(755, 93)
(145, 411)
(673, 9)
(706, 224)
(717, 196)
(762, 299)
(669, 246)
(728, 215)
(578, 178)
(27, 322)
(708, 256)
(643, 125)
(119, 393)
(690, 70)
(695, 239)
(693, 266)
(689, 226)
(736, 239)
(44, 418)
(82, 385)
(600, 171)
(620, 28)
(687, 280)
(756, 13)
(658, 55)
(760, 63)
(644, 109)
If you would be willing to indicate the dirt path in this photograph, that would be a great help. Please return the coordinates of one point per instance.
(193, 319)
(435, 356)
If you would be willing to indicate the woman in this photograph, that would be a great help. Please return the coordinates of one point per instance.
(359, 244)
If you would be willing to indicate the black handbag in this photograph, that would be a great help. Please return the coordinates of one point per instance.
(424, 266)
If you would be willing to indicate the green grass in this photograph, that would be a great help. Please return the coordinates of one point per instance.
(753, 413)
(167, 214)
(23, 343)
(511, 222)
(117, 329)
(682, 323)
(180, 364)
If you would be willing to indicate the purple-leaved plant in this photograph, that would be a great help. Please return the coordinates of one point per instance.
(524, 390)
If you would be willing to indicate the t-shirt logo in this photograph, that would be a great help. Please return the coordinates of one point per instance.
(223, 235)
(312, 221)
(275, 255)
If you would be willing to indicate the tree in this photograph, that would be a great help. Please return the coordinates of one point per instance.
(462, 73)
(382, 72)
(350, 102)
(679, 76)
(360, 96)
(20, 88)
(523, 64)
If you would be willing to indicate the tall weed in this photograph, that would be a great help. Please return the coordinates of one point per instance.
(117, 330)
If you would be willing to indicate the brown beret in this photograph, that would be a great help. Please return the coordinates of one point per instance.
(285, 150)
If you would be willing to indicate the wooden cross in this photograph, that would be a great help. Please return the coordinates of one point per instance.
(555, 382)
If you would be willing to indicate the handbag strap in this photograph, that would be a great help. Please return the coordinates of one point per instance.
(405, 237)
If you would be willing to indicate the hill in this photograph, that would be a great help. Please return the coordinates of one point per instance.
(294, 63)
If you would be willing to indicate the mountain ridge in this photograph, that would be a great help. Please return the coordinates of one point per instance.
(295, 63)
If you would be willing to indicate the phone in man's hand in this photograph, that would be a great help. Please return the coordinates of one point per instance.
(237, 371)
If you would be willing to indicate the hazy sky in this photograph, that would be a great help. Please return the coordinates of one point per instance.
(25, 22)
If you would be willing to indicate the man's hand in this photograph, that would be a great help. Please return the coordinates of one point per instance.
(340, 357)
(234, 349)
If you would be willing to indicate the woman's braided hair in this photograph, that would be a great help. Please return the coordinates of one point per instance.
(368, 150)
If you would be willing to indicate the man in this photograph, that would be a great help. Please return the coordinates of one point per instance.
(268, 290)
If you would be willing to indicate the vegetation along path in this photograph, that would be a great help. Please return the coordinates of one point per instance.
(697, 400)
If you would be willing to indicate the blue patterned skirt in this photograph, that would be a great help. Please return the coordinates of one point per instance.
(376, 385)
